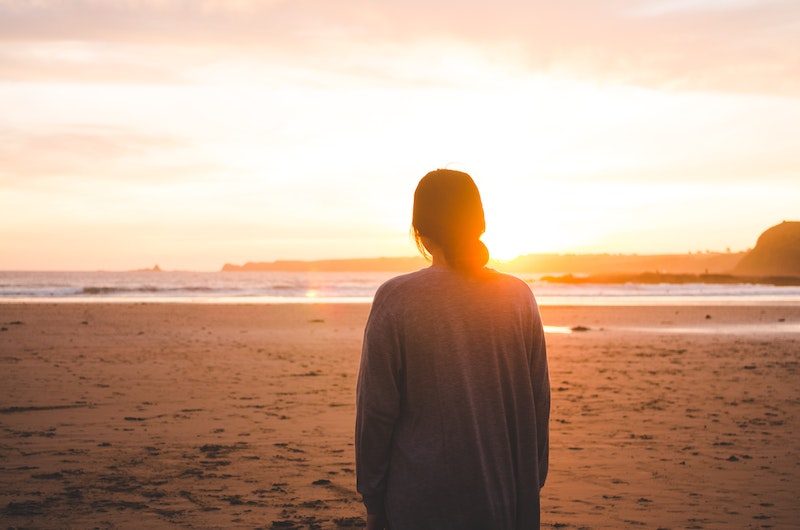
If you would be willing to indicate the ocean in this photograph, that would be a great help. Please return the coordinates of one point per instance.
(348, 287)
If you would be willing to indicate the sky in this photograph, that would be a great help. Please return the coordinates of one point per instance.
(194, 133)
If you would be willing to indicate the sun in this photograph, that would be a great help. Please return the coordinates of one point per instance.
(509, 234)
(501, 246)
(514, 227)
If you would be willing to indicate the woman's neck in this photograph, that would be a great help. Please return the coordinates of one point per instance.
(437, 260)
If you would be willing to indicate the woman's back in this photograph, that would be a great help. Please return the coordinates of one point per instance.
(453, 402)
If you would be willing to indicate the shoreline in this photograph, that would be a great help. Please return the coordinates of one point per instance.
(542, 300)
(701, 320)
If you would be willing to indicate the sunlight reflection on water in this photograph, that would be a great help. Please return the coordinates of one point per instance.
(718, 329)
(558, 329)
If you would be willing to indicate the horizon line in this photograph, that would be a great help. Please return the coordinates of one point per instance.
(417, 256)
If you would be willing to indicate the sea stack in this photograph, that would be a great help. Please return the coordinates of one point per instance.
(777, 253)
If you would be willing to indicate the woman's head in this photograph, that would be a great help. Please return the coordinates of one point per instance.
(448, 212)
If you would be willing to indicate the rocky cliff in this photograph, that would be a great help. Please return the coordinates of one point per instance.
(777, 252)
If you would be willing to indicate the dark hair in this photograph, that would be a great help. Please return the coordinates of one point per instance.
(449, 211)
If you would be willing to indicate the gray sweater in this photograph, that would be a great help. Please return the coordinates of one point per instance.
(453, 403)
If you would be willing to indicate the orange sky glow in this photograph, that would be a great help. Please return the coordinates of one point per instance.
(193, 133)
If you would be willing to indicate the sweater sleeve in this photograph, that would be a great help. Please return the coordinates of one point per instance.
(377, 406)
(540, 380)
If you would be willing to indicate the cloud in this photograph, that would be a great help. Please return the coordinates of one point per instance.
(82, 62)
(660, 7)
(739, 46)
(153, 22)
(79, 153)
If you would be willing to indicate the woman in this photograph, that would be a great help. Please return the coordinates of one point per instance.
(453, 396)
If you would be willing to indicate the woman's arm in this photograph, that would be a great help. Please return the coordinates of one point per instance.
(377, 407)
(540, 379)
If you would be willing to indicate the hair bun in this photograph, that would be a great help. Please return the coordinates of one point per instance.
(481, 253)
(470, 254)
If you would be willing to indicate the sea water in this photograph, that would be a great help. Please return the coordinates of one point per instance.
(346, 287)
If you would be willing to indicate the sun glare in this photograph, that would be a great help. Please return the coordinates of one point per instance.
(501, 248)
(515, 225)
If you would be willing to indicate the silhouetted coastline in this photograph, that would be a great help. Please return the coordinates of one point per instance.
(660, 278)
(707, 262)
(775, 260)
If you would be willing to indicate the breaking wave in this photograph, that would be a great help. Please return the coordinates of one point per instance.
(144, 289)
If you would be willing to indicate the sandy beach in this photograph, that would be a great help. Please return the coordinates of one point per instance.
(219, 416)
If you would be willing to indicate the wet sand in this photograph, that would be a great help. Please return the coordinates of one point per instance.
(159, 415)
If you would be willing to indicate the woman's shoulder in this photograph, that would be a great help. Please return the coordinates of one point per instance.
(396, 285)
(512, 293)
(509, 282)
(403, 288)
(412, 289)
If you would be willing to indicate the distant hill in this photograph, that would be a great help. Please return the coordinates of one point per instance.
(777, 252)
(700, 263)
(776, 255)
(402, 264)
(155, 268)
(660, 278)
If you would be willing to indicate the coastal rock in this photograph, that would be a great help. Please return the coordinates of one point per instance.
(777, 252)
